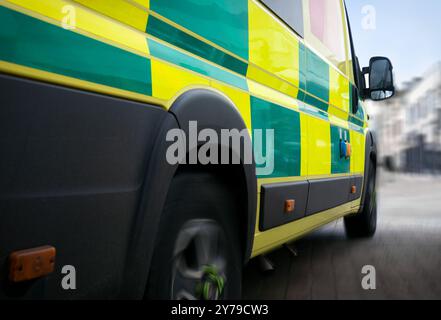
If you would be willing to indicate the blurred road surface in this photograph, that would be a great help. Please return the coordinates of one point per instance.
(406, 252)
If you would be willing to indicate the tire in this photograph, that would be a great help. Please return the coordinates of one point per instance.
(364, 224)
(197, 253)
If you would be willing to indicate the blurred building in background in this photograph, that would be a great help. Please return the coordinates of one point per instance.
(408, 126)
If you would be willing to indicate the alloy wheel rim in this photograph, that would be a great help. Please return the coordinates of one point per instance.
(199, 262)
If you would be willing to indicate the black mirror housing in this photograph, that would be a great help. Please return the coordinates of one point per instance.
(381, 80)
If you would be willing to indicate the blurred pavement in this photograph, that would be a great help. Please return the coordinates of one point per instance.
(406, 252)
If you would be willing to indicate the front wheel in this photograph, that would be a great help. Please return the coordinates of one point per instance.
(198, 254)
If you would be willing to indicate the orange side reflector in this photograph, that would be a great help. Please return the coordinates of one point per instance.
(354, 189)
(31, 264)
(290, 206)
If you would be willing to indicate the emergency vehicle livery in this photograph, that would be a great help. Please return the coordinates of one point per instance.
(90, 91)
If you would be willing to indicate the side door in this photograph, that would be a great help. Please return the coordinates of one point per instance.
(332, 160)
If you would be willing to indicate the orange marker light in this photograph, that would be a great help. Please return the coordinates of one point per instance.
(290, 206)
(31, 264)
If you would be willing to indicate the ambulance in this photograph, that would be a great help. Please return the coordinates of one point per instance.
(95, 97)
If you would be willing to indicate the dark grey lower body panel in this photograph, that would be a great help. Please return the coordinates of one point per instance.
(72, 167)
(327, 194)
(273, 203)
(311, 197)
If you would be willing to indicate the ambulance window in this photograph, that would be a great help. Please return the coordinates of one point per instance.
(326, 25)
(290, 11)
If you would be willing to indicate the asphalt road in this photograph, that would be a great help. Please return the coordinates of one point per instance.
(406, 252)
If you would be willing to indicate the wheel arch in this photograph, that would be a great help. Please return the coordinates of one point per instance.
(370, 162)
(211, 110)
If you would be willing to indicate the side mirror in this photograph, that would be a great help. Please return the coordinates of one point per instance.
(381, 80)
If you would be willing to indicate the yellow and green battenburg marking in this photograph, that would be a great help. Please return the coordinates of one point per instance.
(134, 45)
(37, 44)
